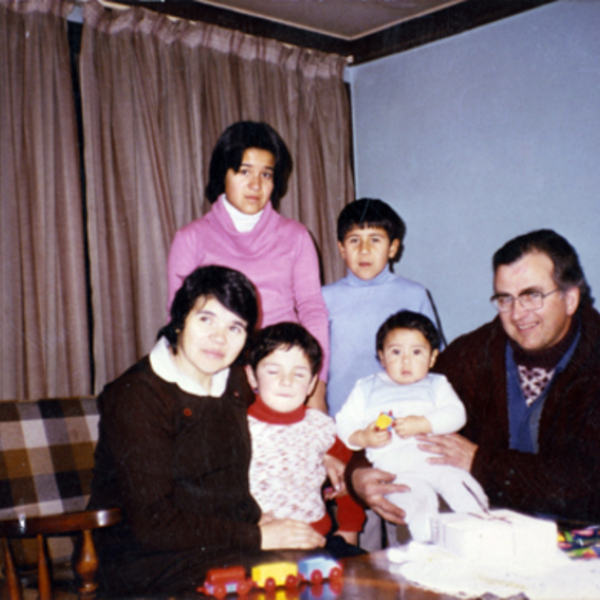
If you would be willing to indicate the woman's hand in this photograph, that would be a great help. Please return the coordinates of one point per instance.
(287, 533)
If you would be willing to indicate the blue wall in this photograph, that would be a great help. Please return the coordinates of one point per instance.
(481, 137)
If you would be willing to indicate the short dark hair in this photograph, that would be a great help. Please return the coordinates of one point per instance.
(370, 212)
(567, 268)
(285, 335)
(229, 151)
(231, 288)
(407, 319)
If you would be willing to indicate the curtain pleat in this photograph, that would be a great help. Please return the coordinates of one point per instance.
(156, 95)
(44, 341)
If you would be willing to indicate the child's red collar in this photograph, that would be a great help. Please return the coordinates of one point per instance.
(259, 410)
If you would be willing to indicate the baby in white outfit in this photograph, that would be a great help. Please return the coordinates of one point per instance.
(386, 410)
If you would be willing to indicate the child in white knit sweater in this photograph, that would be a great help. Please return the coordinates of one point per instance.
(290, 441)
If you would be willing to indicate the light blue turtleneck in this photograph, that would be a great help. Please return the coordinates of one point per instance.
(357, 308)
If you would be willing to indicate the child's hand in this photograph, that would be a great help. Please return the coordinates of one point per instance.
(335, 471)
(371, 437)
(409, 426)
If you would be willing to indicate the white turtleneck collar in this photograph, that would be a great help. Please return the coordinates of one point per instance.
(241, 221)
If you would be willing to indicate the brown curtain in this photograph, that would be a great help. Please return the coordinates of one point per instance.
(44, 345)
(157, 93)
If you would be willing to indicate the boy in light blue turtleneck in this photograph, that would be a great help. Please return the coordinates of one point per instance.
(370, 235)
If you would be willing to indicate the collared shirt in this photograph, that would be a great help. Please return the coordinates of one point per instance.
(523, 418)
(162, 363)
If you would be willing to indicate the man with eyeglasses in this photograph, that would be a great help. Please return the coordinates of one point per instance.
(530, 381)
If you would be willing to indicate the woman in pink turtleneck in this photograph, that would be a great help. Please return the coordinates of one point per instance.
(248, 175)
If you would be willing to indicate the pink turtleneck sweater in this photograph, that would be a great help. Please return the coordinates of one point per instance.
(278, 256)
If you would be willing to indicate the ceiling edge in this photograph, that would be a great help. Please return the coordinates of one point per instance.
(431, 27)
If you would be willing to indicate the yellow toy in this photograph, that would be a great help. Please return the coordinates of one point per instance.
(384, 421)
(271, 575)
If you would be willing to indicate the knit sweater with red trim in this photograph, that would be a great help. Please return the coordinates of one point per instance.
(286, 470)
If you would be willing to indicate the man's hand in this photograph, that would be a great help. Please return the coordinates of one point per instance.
(451, 449)
(408, 426)
(372, 485)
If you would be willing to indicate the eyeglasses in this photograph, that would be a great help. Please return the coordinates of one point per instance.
(528, 300)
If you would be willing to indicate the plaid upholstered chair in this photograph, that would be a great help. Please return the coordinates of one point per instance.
(46, 461)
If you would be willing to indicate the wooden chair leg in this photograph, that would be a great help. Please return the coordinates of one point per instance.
(44, 582)
(87, 567)
(12, 580)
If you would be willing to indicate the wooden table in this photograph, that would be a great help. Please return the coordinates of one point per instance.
(366, 577)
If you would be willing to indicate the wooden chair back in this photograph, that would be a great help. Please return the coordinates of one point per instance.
(86, 564)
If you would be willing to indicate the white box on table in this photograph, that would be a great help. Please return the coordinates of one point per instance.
(500, 536)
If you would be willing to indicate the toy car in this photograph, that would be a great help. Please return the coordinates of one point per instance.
(271, 575)
(316, 568)
(220, 582)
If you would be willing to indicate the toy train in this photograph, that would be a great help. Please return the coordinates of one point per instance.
(269, 576)
(220, 582)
